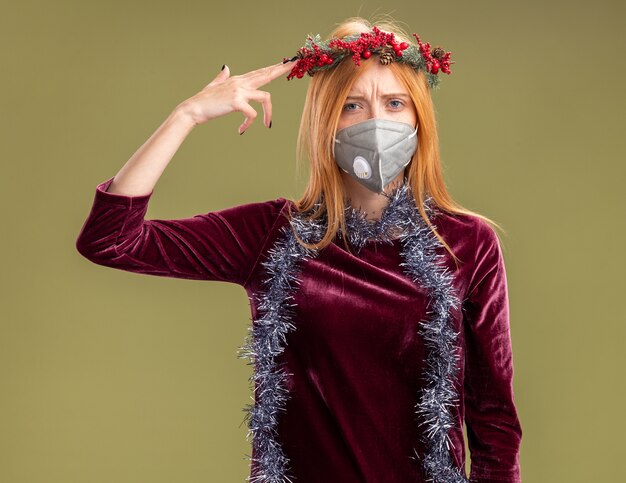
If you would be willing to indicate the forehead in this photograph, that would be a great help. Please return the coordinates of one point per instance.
(377, 77)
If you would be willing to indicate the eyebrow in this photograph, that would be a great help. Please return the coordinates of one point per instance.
(399, 94)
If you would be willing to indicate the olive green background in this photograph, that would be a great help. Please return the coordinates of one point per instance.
(108, 376)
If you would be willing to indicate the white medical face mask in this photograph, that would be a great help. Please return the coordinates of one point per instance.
(375, 151)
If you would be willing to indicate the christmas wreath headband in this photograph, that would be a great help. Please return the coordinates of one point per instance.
(319, 55)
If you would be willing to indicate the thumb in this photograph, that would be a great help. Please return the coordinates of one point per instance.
(222, 76)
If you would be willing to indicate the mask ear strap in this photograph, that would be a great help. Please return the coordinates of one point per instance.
(413, 133)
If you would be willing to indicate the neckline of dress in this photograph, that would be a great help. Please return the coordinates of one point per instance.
(398, 219)
(393, 223)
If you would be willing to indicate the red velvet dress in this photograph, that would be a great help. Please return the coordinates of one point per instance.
(355, 358)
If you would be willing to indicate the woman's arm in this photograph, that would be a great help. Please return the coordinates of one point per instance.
(493, 427)
(223, 95)
(222, 245)
(141, 172)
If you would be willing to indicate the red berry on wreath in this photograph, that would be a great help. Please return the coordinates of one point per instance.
(367, 54)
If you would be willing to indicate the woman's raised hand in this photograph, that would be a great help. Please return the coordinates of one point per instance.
(226, 93)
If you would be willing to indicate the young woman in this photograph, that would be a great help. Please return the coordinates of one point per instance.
(379, 305)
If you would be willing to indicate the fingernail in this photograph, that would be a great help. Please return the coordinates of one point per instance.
(223, 66)
(270, 123)
(242, 132)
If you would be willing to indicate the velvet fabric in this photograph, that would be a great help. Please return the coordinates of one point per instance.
(355, 358)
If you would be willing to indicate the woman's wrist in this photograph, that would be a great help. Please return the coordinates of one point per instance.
(184, 113)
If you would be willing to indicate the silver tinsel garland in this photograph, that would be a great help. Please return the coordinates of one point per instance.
(399, 219)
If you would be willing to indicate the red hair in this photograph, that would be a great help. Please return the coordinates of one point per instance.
(326, 95)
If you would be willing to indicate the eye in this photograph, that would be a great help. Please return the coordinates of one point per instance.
(400, 103)
(346, 107)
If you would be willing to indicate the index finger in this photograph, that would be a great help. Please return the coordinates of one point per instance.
(267, 74)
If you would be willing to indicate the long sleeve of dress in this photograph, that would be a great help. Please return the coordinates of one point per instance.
(493, 427)
(222, 245)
